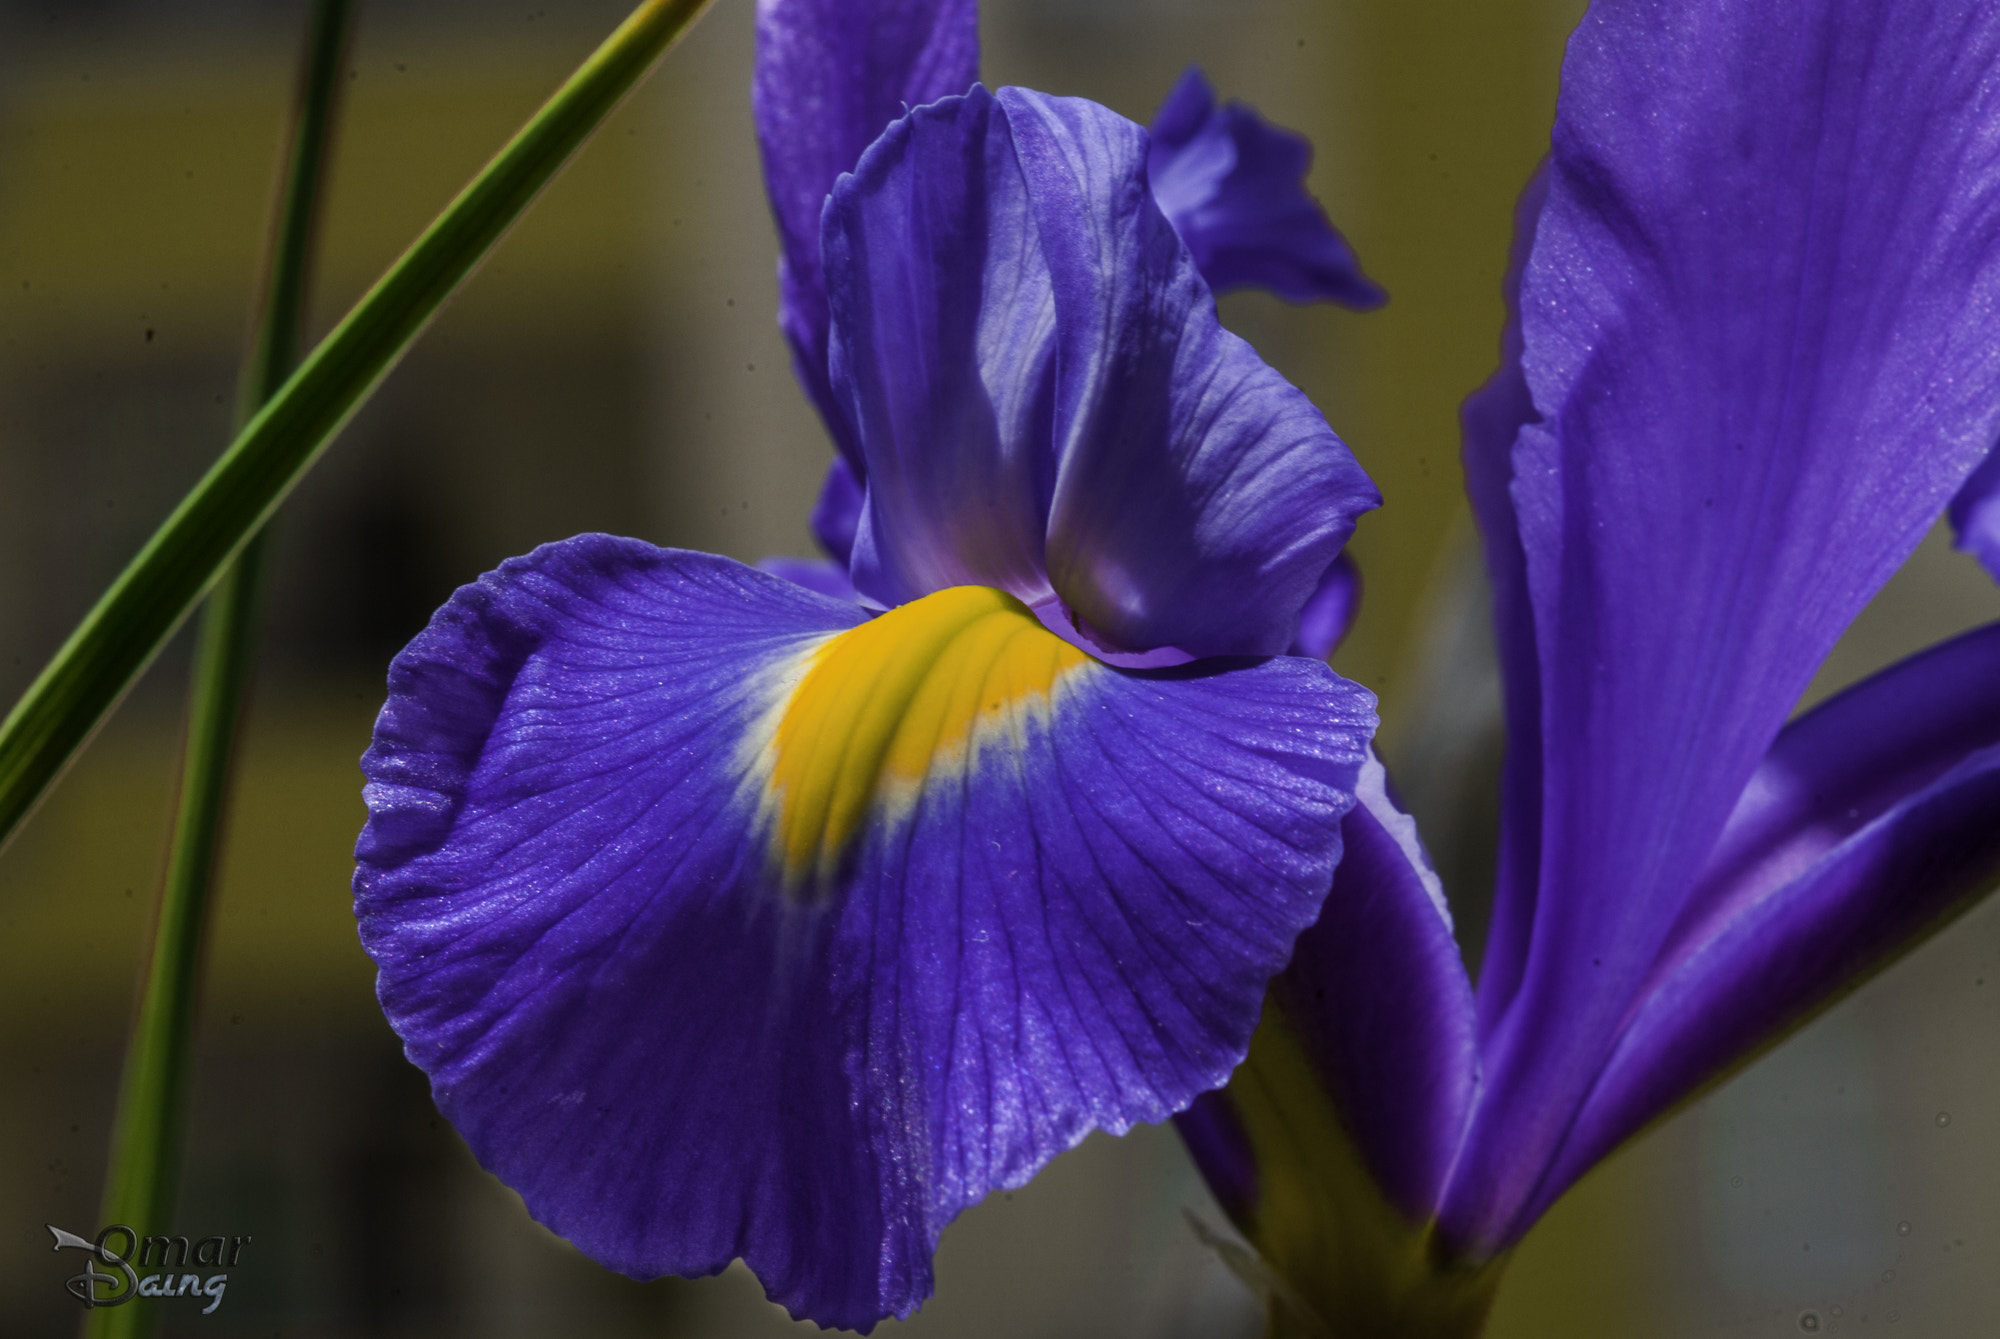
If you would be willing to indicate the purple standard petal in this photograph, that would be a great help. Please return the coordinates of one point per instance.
(943, 351)
(1758, 328)
(1025, 350)
(691, 1012)
(1198, 497)
(830, 76)
(1234, 187)
(1379, 997)
(1975, 514)
(1875, 818)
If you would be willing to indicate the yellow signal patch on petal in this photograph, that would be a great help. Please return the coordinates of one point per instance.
(883, 706)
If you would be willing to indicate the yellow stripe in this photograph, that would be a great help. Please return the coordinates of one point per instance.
(884, 706)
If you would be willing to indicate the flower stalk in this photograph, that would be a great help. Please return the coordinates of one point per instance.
(152, 1106)
(185, 556)
(1346, 1264)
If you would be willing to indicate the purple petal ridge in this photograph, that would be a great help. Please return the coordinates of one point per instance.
(1492, 419)
(943, 353)
(1198, 496)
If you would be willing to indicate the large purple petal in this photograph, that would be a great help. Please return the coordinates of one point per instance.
(677, 1052)
(1758, 327)
(1875, 817)
(943, 348)
(1234, 187)
(1975, 514)
(1198, 496)
(1379, 997)
(830, 76)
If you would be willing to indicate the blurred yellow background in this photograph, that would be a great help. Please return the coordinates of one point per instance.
(616, 367)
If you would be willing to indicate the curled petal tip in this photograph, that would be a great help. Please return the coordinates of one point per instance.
(1233, 186)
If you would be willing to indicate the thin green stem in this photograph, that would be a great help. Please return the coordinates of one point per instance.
(186, 555)
(152, 1100)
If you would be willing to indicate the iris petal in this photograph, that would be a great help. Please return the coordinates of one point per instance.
(1871, 822)
(1026, 350)
(942, 348)
(1844, 764)
(1377, 994)
(831, 74)
(1198, 496)
(1054, 908)
(1234, 187)
(1757, 325)
(1492, 419)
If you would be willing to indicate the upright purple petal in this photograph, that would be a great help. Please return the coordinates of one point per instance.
(1975, 514)
(1758, 330)
(944, 349)
(1046, 401)
(1234, 187)
(1198, 497)
(703, 977)
(1380, 1000)
(831, 75)
(1874, 818)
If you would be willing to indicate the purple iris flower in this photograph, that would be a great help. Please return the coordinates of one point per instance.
(729, 920)
(1754, 357)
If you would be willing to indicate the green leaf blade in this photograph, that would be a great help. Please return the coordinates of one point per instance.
(125, 631)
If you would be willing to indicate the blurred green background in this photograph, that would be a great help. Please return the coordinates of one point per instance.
(616, 367)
